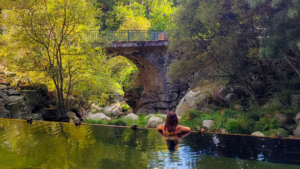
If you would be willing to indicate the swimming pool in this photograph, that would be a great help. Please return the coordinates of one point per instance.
(62, 145)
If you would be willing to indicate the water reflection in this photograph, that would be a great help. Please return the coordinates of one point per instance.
(173, 140)
(62, 145)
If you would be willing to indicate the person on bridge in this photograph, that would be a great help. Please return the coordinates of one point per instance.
(172, 126)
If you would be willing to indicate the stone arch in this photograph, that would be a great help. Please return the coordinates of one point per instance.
(160, 94)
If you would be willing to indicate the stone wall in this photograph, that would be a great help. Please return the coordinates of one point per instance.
(159, 94)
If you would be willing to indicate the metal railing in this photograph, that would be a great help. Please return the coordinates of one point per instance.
(126, 35)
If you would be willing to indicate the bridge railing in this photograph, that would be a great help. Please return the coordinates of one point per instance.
(126, 35)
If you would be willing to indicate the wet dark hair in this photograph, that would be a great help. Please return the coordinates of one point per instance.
(171, 121)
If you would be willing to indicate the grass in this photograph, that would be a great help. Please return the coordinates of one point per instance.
(92, 121)
(141, 122)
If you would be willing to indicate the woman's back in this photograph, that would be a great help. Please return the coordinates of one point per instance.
(178, 129)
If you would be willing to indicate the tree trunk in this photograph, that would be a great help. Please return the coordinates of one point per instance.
(293, 66)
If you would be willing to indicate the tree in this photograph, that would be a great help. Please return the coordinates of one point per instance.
(280, 22)
(45, 35)
(214, 40)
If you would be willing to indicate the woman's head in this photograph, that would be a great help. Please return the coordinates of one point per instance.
(171, 121)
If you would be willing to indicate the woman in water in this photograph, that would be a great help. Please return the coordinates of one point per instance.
(172, 126)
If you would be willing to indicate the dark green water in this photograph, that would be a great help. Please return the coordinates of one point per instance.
(63, 146)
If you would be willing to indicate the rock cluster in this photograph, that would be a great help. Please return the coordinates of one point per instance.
(21, 104)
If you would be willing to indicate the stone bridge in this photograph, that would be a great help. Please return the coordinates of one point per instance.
(153, 60)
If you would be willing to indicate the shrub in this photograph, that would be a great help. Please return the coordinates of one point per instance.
(266, 124)
(194, 119)
(274, 132)
(93, 121)
(125, 107)
(239, 126)
(117, 122)
(191, 114)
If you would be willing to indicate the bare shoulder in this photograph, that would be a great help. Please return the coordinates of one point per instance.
(160, 127)
(183, 128)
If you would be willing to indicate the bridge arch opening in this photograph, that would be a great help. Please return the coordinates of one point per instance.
(143, 89)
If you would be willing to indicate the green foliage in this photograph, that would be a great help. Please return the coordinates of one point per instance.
(239, 126)
(274, 132)
(35, 86)
(117, 122)
(194, 119)
(125, 107)
(213, 40)
(191, 114)
(266, 124)
(93, 121)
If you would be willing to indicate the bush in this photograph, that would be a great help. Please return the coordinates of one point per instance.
(93, 121)
(266, 124)
(241, 125)
(117, 122)
(191, 114)
(125, 107)
(274, 132)
(194, 119)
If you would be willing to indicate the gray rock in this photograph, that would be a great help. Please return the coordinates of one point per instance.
(71, 114)
(114, 110)
(131, 116)
(257, 133)
(168, 97)
(158, 115)
(162, 105)
(4, 113)
(297, 118)
(37, 117)
(12, 92)
(98, 116)
(173, 104)
(297, 131)
(144, 110)
(282, 118)
(154, 122)
(207, 123)
(194, 99)
(95, 107)
(147, 97)
(229, 98)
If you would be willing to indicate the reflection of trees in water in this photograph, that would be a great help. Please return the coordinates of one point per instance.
(56, 145)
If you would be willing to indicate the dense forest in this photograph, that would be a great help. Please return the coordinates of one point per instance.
(252, 47)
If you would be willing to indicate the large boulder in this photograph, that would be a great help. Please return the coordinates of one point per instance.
(131, 116)
(297, 131)
(98, 116)
(154, 122)
(113, 110)
(194, 99)
(207, 123)
(4, 113)
(298, 118)
(229, 98)
(12, 92)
